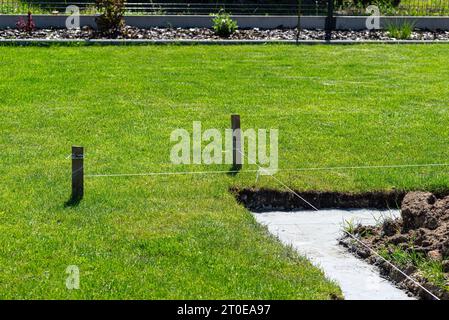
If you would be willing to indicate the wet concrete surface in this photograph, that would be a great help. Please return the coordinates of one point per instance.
(315, 234)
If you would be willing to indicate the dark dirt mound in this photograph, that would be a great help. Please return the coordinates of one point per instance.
(420, 237)
(260, 200)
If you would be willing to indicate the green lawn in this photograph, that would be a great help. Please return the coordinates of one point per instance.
(185, 236)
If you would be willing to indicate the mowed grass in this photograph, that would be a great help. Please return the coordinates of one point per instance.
(185, 236)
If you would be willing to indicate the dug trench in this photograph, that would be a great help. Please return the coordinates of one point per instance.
(417, 242)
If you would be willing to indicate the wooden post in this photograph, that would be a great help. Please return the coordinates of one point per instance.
(77, 173)
(330, 20)
(236, 142)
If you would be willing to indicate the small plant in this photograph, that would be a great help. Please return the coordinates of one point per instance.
(401, 31)
(355, 228)
(26, 26)
(433, 270)
(111, 20)
(350, 226)
(223, 25)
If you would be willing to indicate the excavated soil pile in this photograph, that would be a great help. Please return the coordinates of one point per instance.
(423, 229)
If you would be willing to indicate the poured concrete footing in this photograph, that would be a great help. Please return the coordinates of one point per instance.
(314, 234)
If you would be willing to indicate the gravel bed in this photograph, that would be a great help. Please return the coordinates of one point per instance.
(207, 34)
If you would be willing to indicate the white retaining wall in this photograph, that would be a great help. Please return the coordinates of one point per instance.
(263, 22)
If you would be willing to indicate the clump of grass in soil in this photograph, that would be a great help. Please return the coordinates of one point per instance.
(431, 270)
(349, 226)
(401, 31)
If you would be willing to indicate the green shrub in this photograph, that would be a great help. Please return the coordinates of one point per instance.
(27, 25)
(111, 20)
(223, 25)
(401, 31)
(366, 3)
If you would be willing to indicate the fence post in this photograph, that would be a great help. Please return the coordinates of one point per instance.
(236, 142)
(330, 20)
(298, 26)
(77, 173)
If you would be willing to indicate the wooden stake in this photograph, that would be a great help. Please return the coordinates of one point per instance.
(236, 142)
(77, 173)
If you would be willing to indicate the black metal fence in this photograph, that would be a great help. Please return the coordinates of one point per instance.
(308, 7)
(286, 7)
(394, 7)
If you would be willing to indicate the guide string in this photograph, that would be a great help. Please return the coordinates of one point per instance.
(258, 170)
(392, 265)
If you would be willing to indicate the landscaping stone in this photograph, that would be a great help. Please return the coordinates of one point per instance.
(208, 34)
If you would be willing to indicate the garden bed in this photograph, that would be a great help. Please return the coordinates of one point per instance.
(208, 34)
